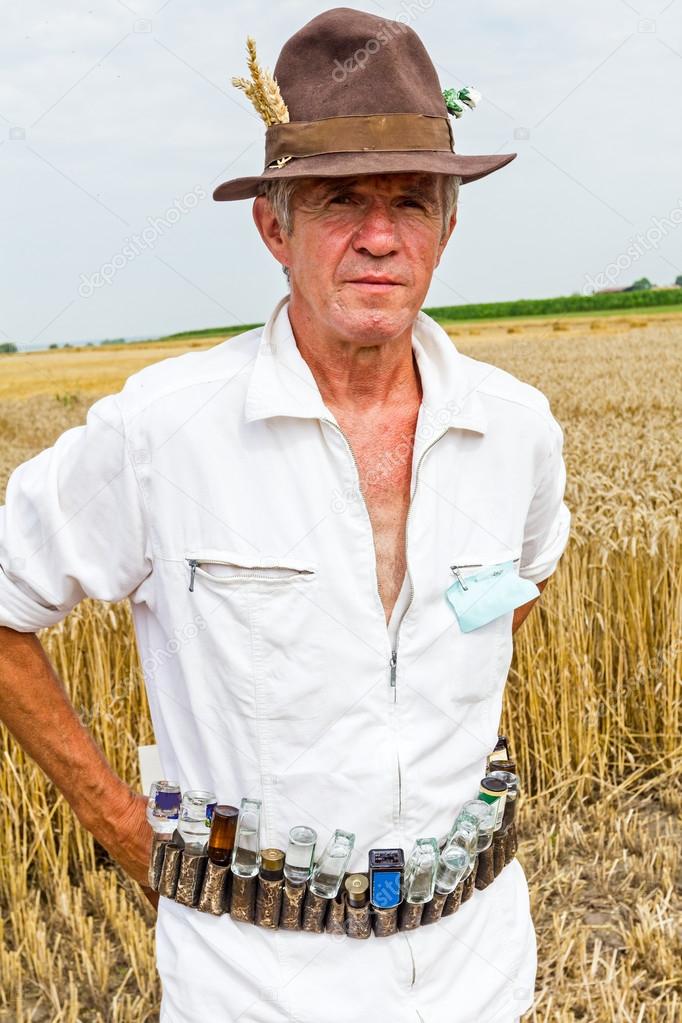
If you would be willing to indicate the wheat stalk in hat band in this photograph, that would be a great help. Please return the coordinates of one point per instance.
(386, 114)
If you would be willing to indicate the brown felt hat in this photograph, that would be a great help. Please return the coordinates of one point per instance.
(353, 93)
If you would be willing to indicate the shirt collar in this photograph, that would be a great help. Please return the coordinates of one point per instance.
(282, 383)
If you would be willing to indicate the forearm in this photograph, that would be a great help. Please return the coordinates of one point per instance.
(36, 709)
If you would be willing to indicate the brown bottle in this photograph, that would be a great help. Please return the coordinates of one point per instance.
(223, 833)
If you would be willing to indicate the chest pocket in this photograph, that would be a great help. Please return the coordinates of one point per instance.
(481, 593)
(235, 567)
(262, 644)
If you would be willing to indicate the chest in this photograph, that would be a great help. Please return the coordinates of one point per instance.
(384, 460)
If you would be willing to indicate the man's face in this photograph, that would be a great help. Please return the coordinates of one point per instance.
(386, 226)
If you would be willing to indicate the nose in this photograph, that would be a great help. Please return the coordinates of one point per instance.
(377, 231)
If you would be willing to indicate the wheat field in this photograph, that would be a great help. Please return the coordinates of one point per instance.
(592, 705)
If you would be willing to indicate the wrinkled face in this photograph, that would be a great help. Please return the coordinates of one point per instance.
(363, 251)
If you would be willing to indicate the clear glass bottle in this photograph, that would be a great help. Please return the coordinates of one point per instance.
(246, 857)
(196, 815)
(298, 862)
(328, 872)
(454, 865)
(420, 870)
(163, 806)
(483, 815)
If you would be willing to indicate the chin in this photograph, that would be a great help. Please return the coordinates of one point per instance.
(362, 321)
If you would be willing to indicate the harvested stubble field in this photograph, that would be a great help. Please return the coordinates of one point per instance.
(592, 705)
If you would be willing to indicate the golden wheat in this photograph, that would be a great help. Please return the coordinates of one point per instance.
(592, 706)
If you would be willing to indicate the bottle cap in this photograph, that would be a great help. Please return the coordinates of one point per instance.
(272, 859)
(493, 785)
(357, 886)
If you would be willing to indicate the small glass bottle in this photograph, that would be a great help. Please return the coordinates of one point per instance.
(246, 857)
(223, 832)
(464, 831)
(298, 862)
(328, 872)
(420, 870)
(494, 791)
(483, 815)
(454, 865)
(196, 813)
(163, 806)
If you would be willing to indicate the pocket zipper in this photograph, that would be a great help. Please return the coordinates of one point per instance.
(195, 562)
(455, 569)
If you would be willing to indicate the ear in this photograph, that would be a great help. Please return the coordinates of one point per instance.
(446, 237)
(270, 231)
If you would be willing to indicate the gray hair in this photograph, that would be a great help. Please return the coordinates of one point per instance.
(280, 192)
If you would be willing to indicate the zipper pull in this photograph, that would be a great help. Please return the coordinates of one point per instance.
(458, 576)
(193, 565)
(394, 659)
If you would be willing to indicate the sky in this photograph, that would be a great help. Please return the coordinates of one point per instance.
(119, 118)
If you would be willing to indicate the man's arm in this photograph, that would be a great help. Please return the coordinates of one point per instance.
(72, 527)
(522, 612)
(36, 709)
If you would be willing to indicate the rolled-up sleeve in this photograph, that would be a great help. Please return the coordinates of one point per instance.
(548, 522)
(73, 524)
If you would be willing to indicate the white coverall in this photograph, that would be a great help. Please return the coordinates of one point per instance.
(272, 677)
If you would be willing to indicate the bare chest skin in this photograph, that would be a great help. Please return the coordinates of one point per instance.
(383, 452)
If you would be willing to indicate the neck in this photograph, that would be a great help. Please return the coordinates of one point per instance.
(358, 377)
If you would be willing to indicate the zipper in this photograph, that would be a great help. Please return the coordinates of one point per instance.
(393, 663)
(194, 562)
(455, 569)
(400, 788)
(394, 659)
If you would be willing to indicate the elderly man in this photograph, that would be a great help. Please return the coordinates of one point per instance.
(308, 494)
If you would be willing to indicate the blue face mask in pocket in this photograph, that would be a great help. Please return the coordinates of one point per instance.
(478, 598)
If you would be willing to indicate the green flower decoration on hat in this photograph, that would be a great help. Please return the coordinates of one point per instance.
(454, 97)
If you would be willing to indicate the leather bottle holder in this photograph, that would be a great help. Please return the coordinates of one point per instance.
(192, 879)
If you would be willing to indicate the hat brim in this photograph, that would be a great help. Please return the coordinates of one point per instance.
(470, 168)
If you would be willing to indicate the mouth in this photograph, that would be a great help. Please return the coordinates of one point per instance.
(375, 284)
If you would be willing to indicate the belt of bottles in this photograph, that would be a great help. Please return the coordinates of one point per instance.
(207, 855)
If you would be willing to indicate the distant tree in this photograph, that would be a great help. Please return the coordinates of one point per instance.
(643, 284)
(8, 346)
(53, 345)
(678, 281)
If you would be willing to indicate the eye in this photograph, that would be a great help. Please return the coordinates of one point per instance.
(340, 197)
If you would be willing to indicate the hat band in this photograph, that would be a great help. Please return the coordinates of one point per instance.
(358, 133)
